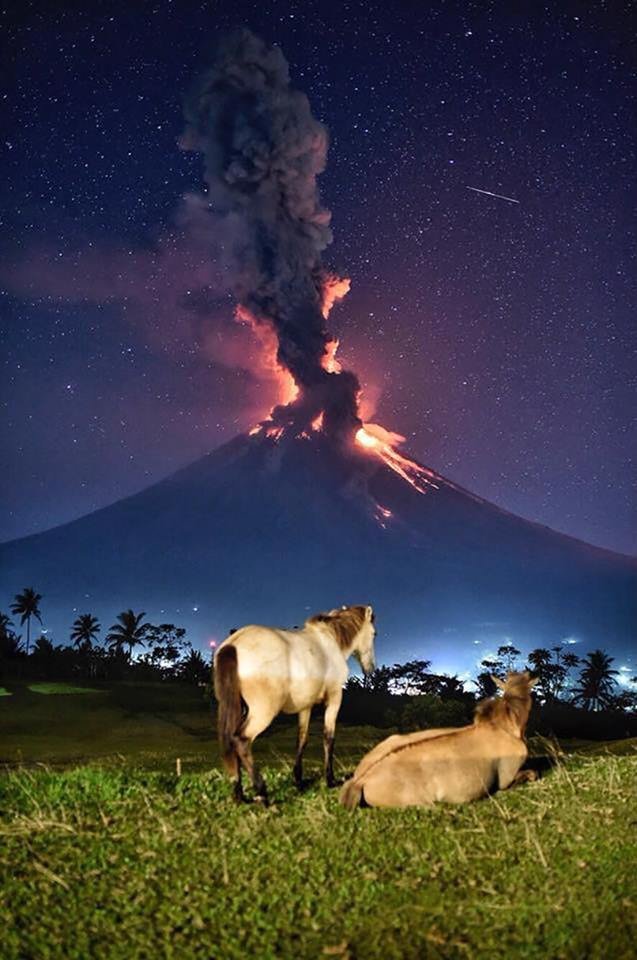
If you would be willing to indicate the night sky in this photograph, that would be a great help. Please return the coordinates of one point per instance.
(499, 337)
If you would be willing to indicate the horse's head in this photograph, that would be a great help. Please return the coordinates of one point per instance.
(364, 641)
(516, 685)
(354, 630)
(514, 706)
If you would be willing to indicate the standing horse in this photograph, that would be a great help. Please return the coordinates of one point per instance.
(273, 671)
(454, 765)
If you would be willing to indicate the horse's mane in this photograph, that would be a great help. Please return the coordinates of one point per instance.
(344, 623)
(491, 709)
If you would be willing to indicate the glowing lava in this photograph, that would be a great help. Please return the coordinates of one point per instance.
(381, 442)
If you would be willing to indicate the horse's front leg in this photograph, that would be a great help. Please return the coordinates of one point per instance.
(332, 707)
(304, 723)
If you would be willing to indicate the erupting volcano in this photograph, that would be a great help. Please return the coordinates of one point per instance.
(263, 151)
(313, 507)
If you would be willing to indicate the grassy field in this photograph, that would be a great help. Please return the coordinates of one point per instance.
(106, 853)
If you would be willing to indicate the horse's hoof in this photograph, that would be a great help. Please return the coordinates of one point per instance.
(262, 801)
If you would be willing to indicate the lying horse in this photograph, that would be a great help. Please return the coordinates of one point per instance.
(274, 671)
(453, 765)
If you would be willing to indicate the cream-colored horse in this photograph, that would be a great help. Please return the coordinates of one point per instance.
(274, 671)
(453, 765)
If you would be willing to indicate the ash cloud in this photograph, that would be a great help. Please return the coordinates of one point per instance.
(263, 151)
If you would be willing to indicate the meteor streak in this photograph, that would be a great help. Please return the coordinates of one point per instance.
(489, 194)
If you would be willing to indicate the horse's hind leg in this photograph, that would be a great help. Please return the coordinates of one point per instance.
(244, 749)
(253, 725)
(233, 766)
(304, 722)
(237, 787)
(329, 730)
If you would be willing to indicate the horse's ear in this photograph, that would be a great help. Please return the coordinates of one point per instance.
(499, 683)
(369, 613)
(533, 681)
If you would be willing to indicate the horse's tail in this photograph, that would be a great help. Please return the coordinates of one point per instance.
(228, 694)
(351, 794)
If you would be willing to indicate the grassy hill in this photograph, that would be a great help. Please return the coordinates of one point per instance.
(111, 855)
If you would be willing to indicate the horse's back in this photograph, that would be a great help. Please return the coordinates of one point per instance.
(289, 668)
(395, 742)
(257, 645)
(455, 767)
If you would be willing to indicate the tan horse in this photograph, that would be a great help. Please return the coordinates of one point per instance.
(452, 765)
(273, 671)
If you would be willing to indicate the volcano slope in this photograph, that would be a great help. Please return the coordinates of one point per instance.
(271, 529)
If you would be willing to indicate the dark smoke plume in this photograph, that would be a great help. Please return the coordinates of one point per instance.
(263, 151)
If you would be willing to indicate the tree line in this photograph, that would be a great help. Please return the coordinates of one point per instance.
(594, 687)
(408, 695)
(167, 654)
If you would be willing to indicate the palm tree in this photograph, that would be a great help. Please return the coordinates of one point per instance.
(10, 645)
(26, 605)
(508, 654)
(129, 631)
(84, 630)
(596, 681)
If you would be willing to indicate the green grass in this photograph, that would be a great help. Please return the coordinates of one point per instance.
(118, 857)
(49, 688)
(4, 692)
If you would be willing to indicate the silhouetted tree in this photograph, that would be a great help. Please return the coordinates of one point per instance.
(129, 631)
(551, 668)
(411, 677)
(375, 682)
(625, 701)
(446, 687)
(26, 605)
(165, 642)
(596, 681)
(194, 668)
(43, 654)
(571, 660)
(84, 630)
(10, 642)
(485, 684)
(508, 655)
